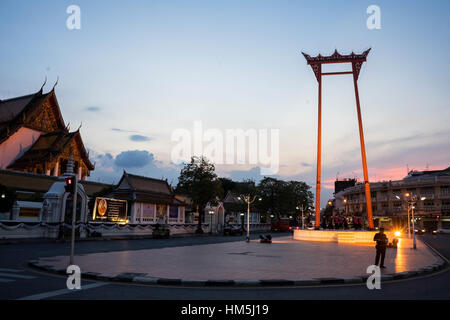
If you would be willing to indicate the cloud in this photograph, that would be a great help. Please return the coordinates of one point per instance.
(139, 138)
(109, 168)
(305, 164)
(93, 109)
(133, 159)
(122, 130)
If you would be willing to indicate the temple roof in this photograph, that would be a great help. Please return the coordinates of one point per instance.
(35, 182)
(9, 109)
(145, 184)
(48, 146)
(20, 111)
(145, 189)
(336, 57)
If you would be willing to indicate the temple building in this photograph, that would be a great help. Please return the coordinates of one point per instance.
(150, 200)
(35, 139)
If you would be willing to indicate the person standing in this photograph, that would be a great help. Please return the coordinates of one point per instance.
(382, 242)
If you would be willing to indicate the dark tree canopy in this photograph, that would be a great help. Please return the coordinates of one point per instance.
(281, 198)
(198, 180)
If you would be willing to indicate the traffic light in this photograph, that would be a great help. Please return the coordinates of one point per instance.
(70, 183)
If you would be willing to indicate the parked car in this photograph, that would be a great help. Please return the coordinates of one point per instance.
(230, 230)
(443, 231)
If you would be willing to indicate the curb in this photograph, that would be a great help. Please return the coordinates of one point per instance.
(138, 278)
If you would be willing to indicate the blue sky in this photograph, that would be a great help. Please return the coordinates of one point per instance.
(138, 70)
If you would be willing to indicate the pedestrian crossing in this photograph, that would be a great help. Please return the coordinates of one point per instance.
(11, 275)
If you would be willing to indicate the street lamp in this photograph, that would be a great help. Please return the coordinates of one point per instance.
(303, 217)
(411, 200)
(247, 198)
(210, 212)
(409, 221)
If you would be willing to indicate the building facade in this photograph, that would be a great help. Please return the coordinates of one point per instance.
(35, 139)
(236, 211)
(150, 200)
(389, 201)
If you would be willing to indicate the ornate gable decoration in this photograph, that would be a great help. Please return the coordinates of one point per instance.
(355, 59)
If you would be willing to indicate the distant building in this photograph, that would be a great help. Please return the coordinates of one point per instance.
(150, 200)
(34, 137)
(236, 210)
(433, 212)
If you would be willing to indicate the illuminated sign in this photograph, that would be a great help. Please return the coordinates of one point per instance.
(110, 210)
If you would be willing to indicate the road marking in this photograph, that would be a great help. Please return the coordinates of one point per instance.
(10, 270)
(50, 294)
(6, 280)
(19, 276)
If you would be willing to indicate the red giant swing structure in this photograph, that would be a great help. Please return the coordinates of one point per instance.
(356, 61)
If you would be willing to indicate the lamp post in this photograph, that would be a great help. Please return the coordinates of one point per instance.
(248, 200)
(210, 212)
(411, 201)
(409, 220)
(302, 208)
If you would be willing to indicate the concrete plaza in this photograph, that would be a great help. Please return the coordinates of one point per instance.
(283, 259)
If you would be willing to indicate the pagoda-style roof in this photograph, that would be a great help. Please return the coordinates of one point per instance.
(49, 146)
(336, 57)
(145, 189)
(21, 112)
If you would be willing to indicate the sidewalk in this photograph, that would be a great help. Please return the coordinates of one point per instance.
(283, 259)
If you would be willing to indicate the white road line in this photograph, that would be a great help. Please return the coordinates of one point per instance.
(49, 294)
(10, 270)
(6, 280)
(19, 276)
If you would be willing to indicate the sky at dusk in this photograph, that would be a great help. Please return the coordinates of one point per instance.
(138, 70)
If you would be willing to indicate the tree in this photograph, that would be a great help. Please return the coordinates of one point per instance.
(269, 191)
(227, 185)
(281, 198)
(199, 182)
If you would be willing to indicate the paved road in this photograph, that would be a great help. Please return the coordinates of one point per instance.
(22, 282)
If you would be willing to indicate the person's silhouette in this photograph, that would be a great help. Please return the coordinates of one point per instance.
(381, 245)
